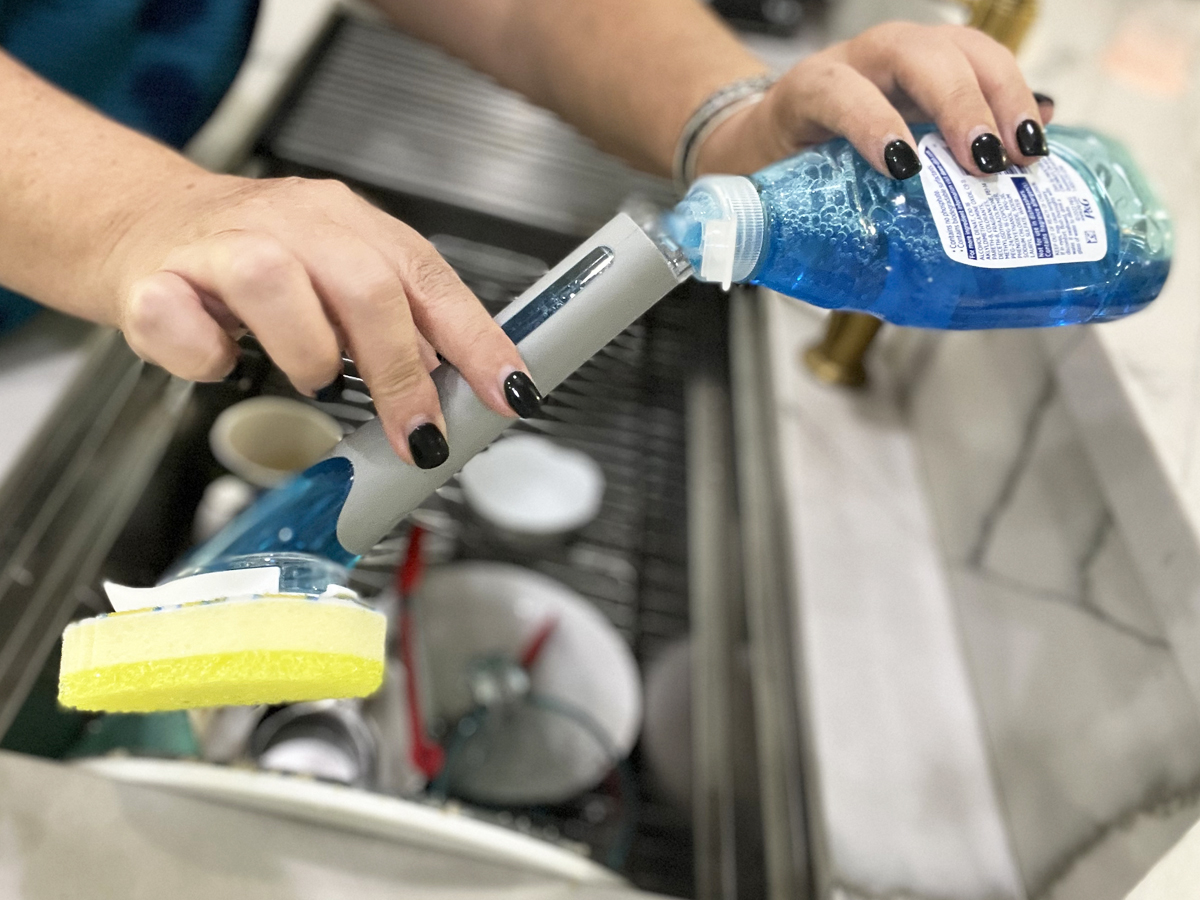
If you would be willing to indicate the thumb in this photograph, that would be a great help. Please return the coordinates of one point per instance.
(165, 322)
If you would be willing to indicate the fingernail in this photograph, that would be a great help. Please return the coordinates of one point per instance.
(901, 160)
(1031, 139)
(428, 446)
(1043, 99)
(989, 153)
(522, 395)
(332, 392)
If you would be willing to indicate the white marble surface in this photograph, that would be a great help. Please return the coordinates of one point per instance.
(1132, 68)
(977, 643)
(1092, 727)
(904, 802)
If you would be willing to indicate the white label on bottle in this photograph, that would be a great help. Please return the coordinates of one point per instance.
(1024, 216)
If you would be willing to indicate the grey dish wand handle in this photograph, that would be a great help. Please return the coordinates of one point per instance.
(558, 325)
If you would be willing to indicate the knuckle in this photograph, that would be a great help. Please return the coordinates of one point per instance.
(258, 260)
(887, 35)
(324, 365)
(985, 48)
(824, 76)
(375, 288)
(431, 275)
(961, 96)
(314, 368)
(402, 379)
(332, 190)
(951, 32)
(144, 312)
(484, 337)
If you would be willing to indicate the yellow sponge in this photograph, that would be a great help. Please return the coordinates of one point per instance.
(269, 648)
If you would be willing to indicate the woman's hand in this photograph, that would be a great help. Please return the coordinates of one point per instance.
(311, 269)
(867, 88)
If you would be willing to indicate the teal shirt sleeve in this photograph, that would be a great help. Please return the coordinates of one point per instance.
(159, 66)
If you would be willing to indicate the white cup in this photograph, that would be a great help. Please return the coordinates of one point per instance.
(264, 440)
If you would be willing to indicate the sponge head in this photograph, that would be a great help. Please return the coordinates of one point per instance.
(272, 648)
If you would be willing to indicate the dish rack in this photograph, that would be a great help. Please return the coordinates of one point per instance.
(626, 409)
(503, 189)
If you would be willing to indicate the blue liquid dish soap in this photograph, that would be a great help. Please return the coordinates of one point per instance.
(1077, 237)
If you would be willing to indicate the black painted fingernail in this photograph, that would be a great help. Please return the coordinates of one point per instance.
(1043, 99)
(428, 446)
(522, 395)
(989, 153)
(901, 160)
(1031, 139)
(332, 392)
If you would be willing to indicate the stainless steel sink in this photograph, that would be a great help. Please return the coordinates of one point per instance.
(111, 488)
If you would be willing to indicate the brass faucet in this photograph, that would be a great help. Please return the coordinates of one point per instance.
(1005, 20)
(838, 358)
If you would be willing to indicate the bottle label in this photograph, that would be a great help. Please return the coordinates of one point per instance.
(1024, 216)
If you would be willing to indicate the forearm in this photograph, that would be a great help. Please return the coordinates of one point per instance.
(71, 183)
(627, 73)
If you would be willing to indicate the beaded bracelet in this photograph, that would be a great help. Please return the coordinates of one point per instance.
(719, 107)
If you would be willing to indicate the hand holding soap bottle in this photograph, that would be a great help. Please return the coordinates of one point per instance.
(1076, 237)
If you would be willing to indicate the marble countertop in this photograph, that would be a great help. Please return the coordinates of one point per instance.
(1131, 68)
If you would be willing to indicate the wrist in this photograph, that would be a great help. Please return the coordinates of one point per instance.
(741, 145)
(718, 109)
(159, 216)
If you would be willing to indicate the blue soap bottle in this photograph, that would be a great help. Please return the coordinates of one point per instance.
(1077, 237)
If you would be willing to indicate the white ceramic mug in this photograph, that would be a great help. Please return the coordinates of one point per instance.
(264, 440)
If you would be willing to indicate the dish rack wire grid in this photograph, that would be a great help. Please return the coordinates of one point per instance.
(625, 409)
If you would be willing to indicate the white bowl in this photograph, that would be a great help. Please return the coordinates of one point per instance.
(529, 486)
(478, 610)
(264, 440)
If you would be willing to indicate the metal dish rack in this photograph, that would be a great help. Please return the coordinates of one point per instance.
(501, 189)
(109, 489)
(626, 409)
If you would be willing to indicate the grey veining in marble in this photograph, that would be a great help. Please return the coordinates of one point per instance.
(1092, 729)
(1131, 68)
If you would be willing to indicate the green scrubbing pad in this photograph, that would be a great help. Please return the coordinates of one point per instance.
(271, 648)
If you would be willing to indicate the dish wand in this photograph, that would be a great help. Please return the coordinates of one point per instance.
(218, 630)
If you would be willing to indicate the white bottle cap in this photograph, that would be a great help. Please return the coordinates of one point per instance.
(731, 245)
